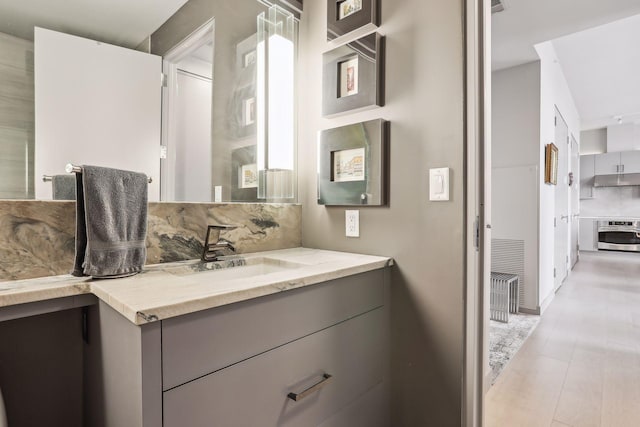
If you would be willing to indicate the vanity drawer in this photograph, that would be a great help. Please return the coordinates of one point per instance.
(198, 344)
(255, 392)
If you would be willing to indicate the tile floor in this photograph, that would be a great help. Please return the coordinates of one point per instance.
(581, 365)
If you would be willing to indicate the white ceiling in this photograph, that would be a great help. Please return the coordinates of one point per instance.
(120, 22)
(602, 68)
(525, 23)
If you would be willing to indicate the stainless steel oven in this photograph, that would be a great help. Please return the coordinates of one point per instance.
(619, 236)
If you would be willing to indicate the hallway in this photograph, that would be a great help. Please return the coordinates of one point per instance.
(581, 366)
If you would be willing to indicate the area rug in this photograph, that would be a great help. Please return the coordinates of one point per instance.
(505, 339)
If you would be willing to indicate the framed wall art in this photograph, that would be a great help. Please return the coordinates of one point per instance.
(346, 16)
(551, 164)
(353, 163)
(353, 76)
(244, 174)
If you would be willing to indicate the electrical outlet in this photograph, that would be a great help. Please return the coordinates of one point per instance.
(352, 223)
(217, 194)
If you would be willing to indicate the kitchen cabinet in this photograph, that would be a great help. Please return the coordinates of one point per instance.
(614, 163)
(587, 173)
(237, 364)
(588, 240)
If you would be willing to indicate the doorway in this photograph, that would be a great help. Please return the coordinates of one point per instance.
(187, 118)
(574, 190)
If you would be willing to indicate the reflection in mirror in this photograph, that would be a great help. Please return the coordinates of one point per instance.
(209, 148)
(186, 110)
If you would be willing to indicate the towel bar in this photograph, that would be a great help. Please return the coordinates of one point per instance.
(47, 178)
(77, 169)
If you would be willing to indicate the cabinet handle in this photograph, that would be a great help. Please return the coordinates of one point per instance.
(317, 386)
(618, 168)
(622, 166)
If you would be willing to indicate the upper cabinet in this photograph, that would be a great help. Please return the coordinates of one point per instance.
(614, 163)
(630, 161)
(607, 163)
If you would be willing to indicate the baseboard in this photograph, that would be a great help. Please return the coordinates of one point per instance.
(535, 311)
(546, 302)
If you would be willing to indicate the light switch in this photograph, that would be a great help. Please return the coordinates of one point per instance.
(352, 223)
(217, 194)
(439, 184)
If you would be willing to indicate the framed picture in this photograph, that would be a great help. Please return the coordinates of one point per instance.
(248, 175)
(349, 77)
(244, 174)
(249, 111)
(551, 164)
(353, 76)
(346, 16)
(353, 163)
(249, 58)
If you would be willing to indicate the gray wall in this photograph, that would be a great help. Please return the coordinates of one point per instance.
(16, 117)
(425, 106)
(515, 124)
(593, 141)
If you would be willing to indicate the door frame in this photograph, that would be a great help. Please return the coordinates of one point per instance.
(477, 124)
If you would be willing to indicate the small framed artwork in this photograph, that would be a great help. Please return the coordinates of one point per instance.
(249, 58)
(349, 77)
(248, 175)
(551, 164)
(353, 163)
(246, 54)
(346, 16)
(353, 76)
(249, 112)
(244, 174)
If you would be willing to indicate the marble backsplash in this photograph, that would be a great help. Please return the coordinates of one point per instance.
(37, 237)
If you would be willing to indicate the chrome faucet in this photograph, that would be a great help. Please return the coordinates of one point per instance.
(211, 250)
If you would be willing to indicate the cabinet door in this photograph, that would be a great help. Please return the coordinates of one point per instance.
(607, 163)
(631, 161)
(588, 235)
(255, 392)
(587, 172)
(200, 343)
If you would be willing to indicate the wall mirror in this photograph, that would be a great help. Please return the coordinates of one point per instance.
(208, 132)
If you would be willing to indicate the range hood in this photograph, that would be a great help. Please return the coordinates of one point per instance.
(617, 180)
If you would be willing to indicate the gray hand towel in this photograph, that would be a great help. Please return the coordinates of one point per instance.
(64, 187)
(111, 222)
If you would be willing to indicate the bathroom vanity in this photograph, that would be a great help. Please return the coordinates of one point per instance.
(294, 337)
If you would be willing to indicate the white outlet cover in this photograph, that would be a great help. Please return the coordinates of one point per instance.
(352, 223)
(217, 194)
(439, 184)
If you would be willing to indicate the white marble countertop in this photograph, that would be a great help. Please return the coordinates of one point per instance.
(173, 289)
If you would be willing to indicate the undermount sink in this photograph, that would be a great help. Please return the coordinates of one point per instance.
(232, 268)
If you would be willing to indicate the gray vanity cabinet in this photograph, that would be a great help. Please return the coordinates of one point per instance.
(236, 365)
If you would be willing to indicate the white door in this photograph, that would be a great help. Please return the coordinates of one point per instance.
(561, 253)
(575, 201)
(95, 104)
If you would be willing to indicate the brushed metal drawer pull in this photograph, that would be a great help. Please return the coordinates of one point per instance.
(299, 396)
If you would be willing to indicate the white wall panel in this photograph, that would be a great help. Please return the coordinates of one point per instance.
(95, 104)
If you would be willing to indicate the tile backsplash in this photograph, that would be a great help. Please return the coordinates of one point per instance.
(612, 202)
(38, 236)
